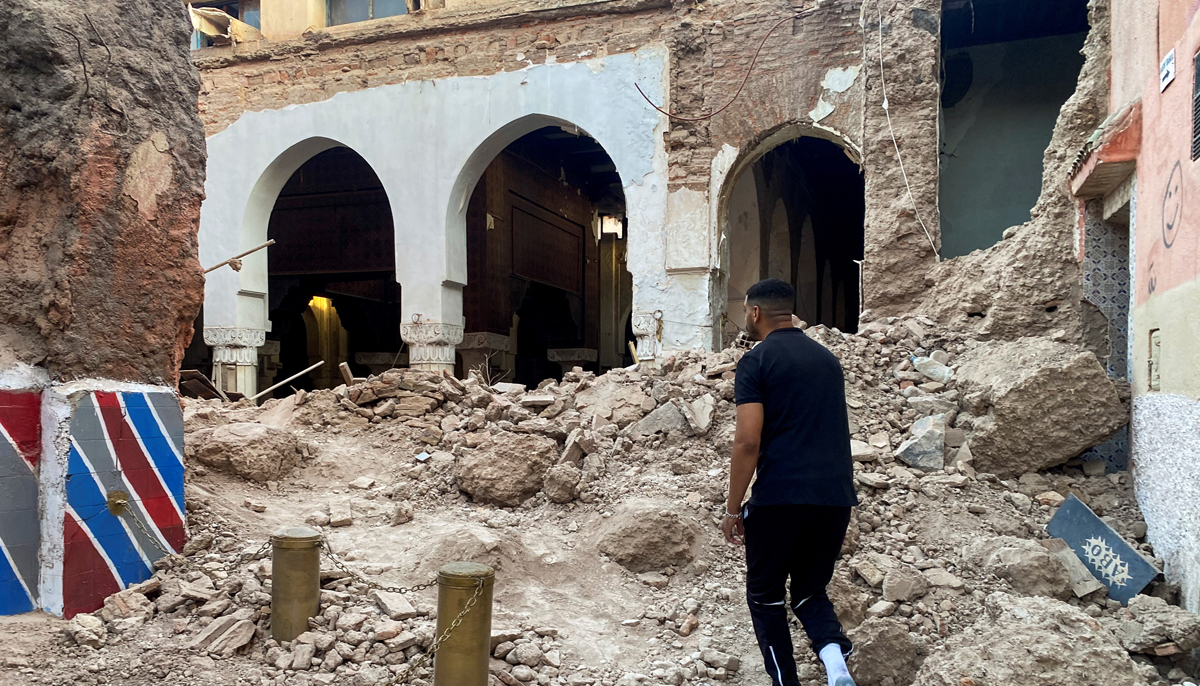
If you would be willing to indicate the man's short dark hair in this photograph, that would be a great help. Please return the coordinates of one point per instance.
(774, 296)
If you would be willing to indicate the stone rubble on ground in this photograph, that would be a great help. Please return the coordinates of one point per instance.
(945, 562)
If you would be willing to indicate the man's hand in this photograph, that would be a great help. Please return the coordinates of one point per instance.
(734, 531)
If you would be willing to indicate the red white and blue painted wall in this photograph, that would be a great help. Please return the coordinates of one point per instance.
(64, 450)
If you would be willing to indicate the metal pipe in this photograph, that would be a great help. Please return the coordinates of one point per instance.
(463, 659)
(239, 256)
(293, 376)
(295, 581)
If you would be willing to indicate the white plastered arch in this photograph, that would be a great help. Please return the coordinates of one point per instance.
(428, 142)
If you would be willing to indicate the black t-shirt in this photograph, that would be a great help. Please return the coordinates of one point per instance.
(804, 456)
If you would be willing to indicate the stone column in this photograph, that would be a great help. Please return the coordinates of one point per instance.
(478, 346)
(431, 345)
(235, 357)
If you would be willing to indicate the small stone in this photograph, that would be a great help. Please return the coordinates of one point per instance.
(340, 514)
(869, 573)
(1095, 467)
(402, 513)
(690, 624)
(861, 452)
(936, 576)
(879, 440)
(1050, 498)
(254, 505)
(1021, 501)
(882, 608)
(873, 480)
(527, 654)
(394, 605)
(523, 673)
(715, 658)
(903, 584)
(363, 483)
(926, 449)
(653, 579)
(302, 656)
(976, 508)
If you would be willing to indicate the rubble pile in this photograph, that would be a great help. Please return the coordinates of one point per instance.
(597, 499)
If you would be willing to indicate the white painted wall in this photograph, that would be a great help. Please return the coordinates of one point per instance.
(429, 142)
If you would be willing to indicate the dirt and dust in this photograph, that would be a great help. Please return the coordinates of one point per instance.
(942, 561)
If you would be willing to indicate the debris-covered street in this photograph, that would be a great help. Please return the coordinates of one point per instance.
(302, 301)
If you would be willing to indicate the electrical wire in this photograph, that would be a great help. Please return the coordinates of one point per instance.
(745, 78)
(892, 131)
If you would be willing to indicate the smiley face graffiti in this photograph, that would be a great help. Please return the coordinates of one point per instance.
(1172, 206)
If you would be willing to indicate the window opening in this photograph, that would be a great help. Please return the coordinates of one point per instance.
(340, 12)
(1007, 68)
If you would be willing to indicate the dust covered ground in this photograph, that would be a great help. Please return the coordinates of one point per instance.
(597, 501)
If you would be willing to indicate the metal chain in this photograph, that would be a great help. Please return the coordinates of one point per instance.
(325, 549)
(137, 523)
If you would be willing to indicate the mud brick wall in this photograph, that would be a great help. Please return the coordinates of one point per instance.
(103, 162)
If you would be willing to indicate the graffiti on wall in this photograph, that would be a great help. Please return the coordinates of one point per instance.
(20, 524)
(130, 444)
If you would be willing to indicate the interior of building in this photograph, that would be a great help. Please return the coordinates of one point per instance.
(546, 240)
(797, 214)
(333, 290)
(1007, 68)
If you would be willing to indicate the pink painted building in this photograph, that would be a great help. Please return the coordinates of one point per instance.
(1138, 184)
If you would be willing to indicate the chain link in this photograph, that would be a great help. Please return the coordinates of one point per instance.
(183, 561)
(337, 562)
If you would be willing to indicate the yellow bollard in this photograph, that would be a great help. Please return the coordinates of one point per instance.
(295, 580)
(463, 659)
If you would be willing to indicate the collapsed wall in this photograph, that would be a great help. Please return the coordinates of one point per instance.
(1031, 282)
(103, 166)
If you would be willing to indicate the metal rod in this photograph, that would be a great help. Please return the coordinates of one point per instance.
(238, 257)
(290, 378)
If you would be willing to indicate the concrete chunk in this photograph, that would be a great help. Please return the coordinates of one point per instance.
(926, 449)
(394, 605)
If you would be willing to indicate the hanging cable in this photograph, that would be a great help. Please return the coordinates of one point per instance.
(892, 131)
(745, 78)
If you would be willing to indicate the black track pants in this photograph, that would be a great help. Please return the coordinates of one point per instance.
(801, 542)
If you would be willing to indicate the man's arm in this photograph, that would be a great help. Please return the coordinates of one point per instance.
(746, 439)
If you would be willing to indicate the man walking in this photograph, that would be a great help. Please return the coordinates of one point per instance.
(792, 430)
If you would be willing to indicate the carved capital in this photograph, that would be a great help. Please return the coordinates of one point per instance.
(485, 340)
(234, 336)
(431, 344)
(237, 355)
(646, 329)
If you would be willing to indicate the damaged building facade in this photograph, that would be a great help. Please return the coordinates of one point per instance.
(477, 185)
(483, 183)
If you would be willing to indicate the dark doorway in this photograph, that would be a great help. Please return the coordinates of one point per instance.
(797, 215)
(547, 289)
(334, 295)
